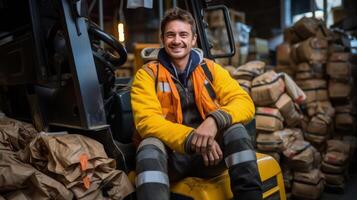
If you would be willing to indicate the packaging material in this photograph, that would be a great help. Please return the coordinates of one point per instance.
(339, 90)
(284, 68)
(339, 70)
(311, 50)
(15, 135)
(339, 57)
(249, 71)
(22, 181)
(269, 141)
(334, 169)
(268, 119)
(318, 128)
(288, 110)
(335, 179)
(290, 36)
(315, 89)
(309, 71)
(304, 161)
(283, 54)
(80, 163)
(320, 107)
(308, 185)
(338, 146)
(267, 88)
(293, 90)
(335, 158)
(334, 47)
(308, 27)
(344, 120)
(295, 147)
(352, 141)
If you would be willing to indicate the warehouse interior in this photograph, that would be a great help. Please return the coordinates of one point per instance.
(66, 69)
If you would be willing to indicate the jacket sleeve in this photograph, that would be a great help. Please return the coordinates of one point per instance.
(148, 118)
(234, 101)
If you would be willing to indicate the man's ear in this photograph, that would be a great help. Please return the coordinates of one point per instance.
(194, 39)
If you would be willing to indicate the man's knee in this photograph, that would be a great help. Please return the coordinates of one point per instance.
(151, 155)
(238, 146)
(236, 133)
(152, 181)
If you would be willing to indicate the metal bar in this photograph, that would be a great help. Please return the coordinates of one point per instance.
(91, 6)
(285, 13)
(161, 9)
(88, 96)
(325, 12)
(312, 7)
(174, 3)
(100, 12)
(38, 41)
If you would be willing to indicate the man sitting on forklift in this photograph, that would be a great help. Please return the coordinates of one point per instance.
(188, 114)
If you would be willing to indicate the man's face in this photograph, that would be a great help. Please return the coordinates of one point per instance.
(178, 39)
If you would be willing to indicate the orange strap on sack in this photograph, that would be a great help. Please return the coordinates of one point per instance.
(83, 161)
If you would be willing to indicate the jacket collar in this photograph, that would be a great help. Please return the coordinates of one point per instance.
(196, 57)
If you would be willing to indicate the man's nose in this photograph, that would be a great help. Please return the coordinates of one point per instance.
(176, 39)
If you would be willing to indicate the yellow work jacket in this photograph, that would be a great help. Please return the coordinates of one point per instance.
(157, 112)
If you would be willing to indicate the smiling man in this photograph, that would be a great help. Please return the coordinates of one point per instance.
(188, 114)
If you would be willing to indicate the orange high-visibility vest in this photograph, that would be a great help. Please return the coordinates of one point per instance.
(169, 96)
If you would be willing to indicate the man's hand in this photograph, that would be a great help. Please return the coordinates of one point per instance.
(203, 138)
(214, 156)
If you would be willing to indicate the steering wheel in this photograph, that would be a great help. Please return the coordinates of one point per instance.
(96, 32)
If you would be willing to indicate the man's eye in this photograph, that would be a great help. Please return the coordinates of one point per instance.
(184, 35)
(169, 35)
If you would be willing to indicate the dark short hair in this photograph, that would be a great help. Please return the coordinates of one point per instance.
(177, 14)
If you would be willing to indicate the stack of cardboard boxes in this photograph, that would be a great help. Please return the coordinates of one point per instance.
(322, 70)
(335, 164)
(278, 122)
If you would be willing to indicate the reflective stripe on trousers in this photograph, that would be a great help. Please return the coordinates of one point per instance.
(152, 182)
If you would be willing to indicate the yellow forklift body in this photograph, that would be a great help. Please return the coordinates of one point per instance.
(218, 188)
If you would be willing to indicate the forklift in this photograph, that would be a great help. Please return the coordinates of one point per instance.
(56, 74)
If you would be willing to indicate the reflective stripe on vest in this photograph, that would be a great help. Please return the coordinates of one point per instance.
(163, 87)
(152, 177)
(240, 157)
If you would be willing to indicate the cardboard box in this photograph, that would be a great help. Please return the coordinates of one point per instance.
(268, 119)
(339, 57)
(339, 90)
(344, 120)
(283, 54)
(249, 70)
(269, 142)
(320, 107)
(339, 70)
(309, 71)
(319, 125)
(288, 69)
(308, 185)
(315, 89)
(288, 110)
(267, 88)
(310, 50)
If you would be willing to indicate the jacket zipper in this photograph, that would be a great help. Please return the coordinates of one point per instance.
(186, 89)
